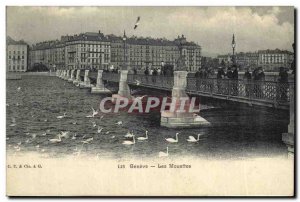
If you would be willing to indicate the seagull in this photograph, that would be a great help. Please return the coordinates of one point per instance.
(13, 122)
(63, 116)
(127, 142)
(163, 154)
(27, 141)
(64, 134)
(87, 141)
(119, 123)
(137, 82)
(19, 143)
(140, 97)
(43, 134)
(7, 105)
(94, 124)
(193, 139)
(19, 88)
(94, 113)
(77, 85)
(17, 148)
(107, 132)
(112, 137)
(99, 129)
(74, 122)
(137, 22)
(144, 138)
(74, 137)
(37, 146)
(17, 104)
(129, 134)
(172, 140)
(43, 150)
(56, 140)
(48, 131)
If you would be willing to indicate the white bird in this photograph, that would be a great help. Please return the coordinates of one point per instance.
(144, 138)
(99, 129)
(19, 143)
(163, 154)
(193, 139)
(77, 85)
(87, 141)
(17, 148)
(7, 138)
(129, 134)
(27, 141)
(74, 122)
(17, 104)
(112, 137)
(33, 135)
(43, 150)
(119, 123)
(94, 112)
(13, 122)
(140, 97)
(128, 142)
(101, 117)
(19, 88)
(63, 116)
(56, 140)
(94, 124)
(137, 82)
(48, 131)
(74, 137)
(7, 105)
(64, 134)
(43, 134)
(172, 140)
(37, 146)
(107, 132)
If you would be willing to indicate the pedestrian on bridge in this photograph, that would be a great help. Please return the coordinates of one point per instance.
(282, 84)
(247, 81)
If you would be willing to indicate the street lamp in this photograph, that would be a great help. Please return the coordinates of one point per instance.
(124, 59)
(233, 49)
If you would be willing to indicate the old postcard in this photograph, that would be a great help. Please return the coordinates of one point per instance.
(150, 101)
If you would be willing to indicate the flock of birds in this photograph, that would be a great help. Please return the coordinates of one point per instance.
(130, 136)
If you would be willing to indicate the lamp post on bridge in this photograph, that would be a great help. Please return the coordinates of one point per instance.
(233, 49)
(124, 55)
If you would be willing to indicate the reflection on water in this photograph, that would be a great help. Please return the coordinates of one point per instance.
(34, 108)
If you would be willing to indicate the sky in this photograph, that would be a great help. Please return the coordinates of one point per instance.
(255, 28)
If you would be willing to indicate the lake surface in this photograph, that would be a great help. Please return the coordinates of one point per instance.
(239, 134)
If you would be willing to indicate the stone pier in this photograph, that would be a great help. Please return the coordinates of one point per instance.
(124, 90)
(175, 118)
(77, 79)
(288, 138)
(71, 79)
(100, 88)
(86, 82)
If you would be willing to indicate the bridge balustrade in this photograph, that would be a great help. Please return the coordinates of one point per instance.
(108, 76)
(158, 82)
(265, 91)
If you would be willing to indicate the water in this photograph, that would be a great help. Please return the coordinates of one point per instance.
(246, 133)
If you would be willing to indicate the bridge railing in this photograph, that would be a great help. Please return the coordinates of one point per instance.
(159, 82)
(265, 91)
(108, 76)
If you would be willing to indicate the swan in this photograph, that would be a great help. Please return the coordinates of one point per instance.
(127, 142)
(163, 154)
(192, 138)
(144, 138)
(119, 123)
(55, 140)
(129, 134)
(172, 140)
(87, 141)
(63, 116)
(99, 129)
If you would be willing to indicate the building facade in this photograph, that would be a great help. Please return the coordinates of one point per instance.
(16, 56)
(97, 51)
(272, 60)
